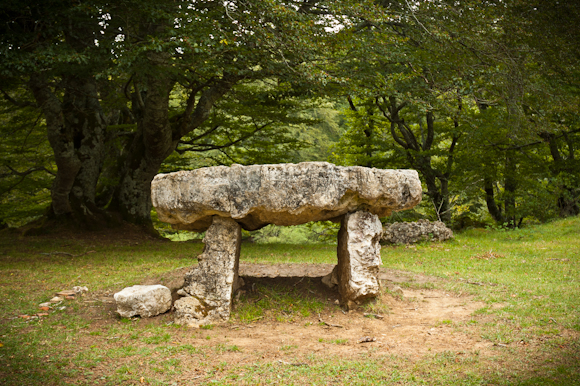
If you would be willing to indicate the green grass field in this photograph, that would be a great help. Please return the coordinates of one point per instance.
(527, 281)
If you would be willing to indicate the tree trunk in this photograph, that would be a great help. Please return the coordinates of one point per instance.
(75, 130)
(153, 142)
(492, 207)
(567, 199)
(83, 114)
(510, 188)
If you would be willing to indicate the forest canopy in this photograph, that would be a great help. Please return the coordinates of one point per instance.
(480, 97)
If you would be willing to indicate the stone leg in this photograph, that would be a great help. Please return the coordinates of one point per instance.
(212, 283)
(359, 257)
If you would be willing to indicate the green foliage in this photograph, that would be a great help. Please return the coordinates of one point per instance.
(480, 97)
(312, 232)
(26, 168)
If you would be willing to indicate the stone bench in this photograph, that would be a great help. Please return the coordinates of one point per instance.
(222, 200)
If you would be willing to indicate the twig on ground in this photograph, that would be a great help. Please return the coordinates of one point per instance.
(328, 324)
(295, 284)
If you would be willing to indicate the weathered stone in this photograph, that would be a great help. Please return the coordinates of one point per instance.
(213, 281)
(359, 257)
(413, 232)
(80, 290)
(188, 312)
(331, 280)
(143, 300)
(282, 194)
(181, 292)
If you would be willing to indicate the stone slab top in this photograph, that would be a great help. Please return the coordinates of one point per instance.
(281, 194)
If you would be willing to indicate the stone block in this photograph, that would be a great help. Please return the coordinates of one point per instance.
(143, 300)
(359, 257)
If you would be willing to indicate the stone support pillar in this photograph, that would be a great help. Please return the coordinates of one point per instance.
(359, 257)
(211, 284)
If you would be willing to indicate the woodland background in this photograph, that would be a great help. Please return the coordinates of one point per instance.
(481, 97)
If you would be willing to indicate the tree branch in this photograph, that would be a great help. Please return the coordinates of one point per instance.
(15, 102)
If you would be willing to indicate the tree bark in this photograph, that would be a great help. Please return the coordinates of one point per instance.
(510, 188)
(75, 130)
(492, 207)
(60, 138)
(567, 199)
(156, 138)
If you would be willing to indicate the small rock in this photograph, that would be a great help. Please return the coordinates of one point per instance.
(56, 299)
(80, 290)
(397, 290)
(181, 292)
(47, 304)
(143, 300)
(331, 280)
(367, 339)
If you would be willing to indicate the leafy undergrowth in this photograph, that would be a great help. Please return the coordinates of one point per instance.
(521, 285)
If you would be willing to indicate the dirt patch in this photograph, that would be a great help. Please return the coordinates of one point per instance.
(419, 322)
(422, 323)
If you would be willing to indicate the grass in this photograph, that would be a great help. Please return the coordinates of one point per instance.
(527, 281)
(276, 302)
(531, 275)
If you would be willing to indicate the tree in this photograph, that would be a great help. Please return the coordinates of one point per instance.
(77, 55)
(401, 72)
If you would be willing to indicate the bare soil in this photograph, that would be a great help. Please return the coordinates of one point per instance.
(422, 321)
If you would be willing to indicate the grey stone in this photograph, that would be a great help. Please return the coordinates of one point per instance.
(213, 281)
(413, 232)
(359, 257)
(282, 194)
(331, 280)
(181, 292)
(80, 290)
(143, 300)
(189, 312)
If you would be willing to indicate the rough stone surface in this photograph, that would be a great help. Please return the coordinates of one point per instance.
(282, 194)
(413, 232)
(143, 300)
(188, 311)
(213, 281)
(359, 257)
(331, 280)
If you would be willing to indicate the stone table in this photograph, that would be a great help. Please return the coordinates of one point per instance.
(221, 200)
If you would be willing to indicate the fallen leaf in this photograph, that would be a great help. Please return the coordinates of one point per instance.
(44, 309)
(24, 316)
(142, 380)
(42, 314)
